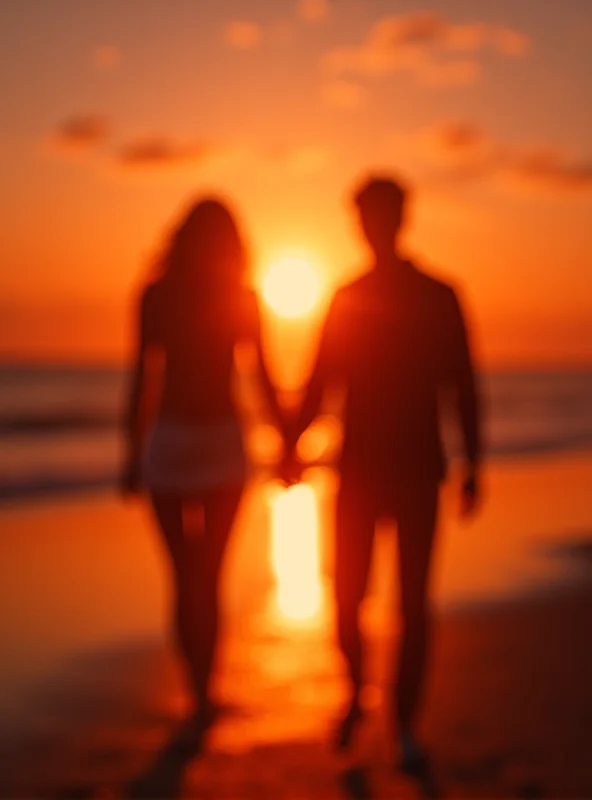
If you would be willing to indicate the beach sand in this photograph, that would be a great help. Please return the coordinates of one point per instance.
(91, 693)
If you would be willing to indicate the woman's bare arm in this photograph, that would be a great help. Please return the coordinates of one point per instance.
(266, 384)
(141, 399)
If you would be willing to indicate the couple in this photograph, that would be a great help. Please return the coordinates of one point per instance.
(395, 340)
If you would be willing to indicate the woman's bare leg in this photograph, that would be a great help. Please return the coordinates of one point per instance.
(196, 545)
(169, 512)
(220, 507)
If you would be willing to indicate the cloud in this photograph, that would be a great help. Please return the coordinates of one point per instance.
(313, 10)
(83, 135)
(457, 145)
(106, 57)
(426, 45)
(550, 168)
(243, 35)
(343, 94)
(469, 37)
(161, 152)
(80, 134)
(458, 137)
(510, 42)
(462, 150)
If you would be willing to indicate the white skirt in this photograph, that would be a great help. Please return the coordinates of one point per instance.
(182, 458)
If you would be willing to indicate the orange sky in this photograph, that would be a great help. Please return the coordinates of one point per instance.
(117, 115)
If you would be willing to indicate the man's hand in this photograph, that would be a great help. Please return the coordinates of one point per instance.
(470, 494)
(129, 483)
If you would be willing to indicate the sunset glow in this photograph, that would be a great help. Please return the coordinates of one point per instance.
(292, 287)
(295, 356)
(295, 552)
(282, 109)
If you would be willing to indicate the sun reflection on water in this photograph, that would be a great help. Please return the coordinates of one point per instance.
(295, 552)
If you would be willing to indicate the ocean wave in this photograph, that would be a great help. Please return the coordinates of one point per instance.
(44, 485)
(57, 422)
(540, 446)
(31, 487)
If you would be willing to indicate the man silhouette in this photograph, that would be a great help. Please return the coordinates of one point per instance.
(396, 340)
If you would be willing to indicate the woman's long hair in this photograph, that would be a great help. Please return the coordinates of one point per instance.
(204, 265)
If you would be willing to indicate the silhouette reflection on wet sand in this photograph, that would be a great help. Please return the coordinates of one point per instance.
(107, 724)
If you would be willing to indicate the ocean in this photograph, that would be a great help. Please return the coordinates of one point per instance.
(60, 427)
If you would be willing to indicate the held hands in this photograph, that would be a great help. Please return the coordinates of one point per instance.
(290, 468)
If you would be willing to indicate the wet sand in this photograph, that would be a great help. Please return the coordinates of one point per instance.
(91, 694)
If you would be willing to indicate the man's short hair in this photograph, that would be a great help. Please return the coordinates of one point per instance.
(382, 193)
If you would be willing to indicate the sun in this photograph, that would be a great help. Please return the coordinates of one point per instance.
(292, 287)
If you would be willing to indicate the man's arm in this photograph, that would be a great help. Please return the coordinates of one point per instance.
(324, 371)
(464, 384)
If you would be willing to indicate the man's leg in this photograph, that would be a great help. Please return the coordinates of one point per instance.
(355, 523)
(416, 518)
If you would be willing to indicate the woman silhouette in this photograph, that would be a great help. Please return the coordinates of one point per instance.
(189, 454)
